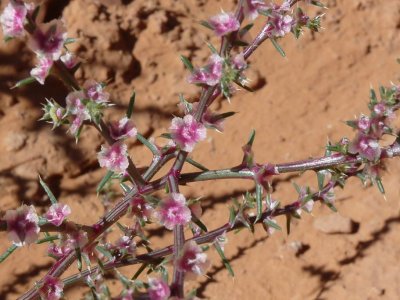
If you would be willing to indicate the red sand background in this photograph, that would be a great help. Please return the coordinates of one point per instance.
(300, 102)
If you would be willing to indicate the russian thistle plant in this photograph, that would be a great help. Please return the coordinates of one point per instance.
(160, 201)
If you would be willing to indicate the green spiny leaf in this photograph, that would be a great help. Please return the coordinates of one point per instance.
(52, 198)
(206, 25)
(212, 48)
(321, 179)
(48, 239)
(224, 260)
(196, 164)
(278, 47)
(104, 181)
(199, 223)
(380, 185)
(149, 145)
(245, 29)
(251, 139)
(271, 224)
(131, 105)
(24, 82)
(8, 252)
(187, 63)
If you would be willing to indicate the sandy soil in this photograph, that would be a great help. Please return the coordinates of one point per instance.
(299, 103)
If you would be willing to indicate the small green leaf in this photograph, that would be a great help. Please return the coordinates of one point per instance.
(232, 216)
(317, 3)
(196, 164)
(131, 105)
(372, 96)
(224, 115)
(52, 198)
(332, 207)
(48, 239)
(79, 258)
(239, 43)
(259, 190)
(288, 221)
(149, 145)
(321, 179)
(297, 188)
(268, 222)
(24, 82)
(206, 25)
(380, 185)
(187, 63)
(104, 181)
(69, 41)
(212, 48)
(124, 280)
(224, 260)
(278, 47)
(245, 29)
(166, 136)
(104, 251)
(8, 252)
(251, 139)
(199, 223)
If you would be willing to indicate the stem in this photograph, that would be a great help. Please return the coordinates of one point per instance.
(206, 238)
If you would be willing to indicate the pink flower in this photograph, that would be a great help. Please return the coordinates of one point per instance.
(77, 239)
(51, 289)
(251, 8)
(239, 62)
(41, 71)
(58, 251)
(224, 23)
(12, 19)
(366, 146)
(173, 211)
(364, 123)
(57, 213)
(48, 39)
(279, 25)
(209, 75)
(114, 157)
(22, 225)
(192, 260)
(187, 132)
(158, 289)
(94, 91)
(141, 209)
(74, 103)
(69, 60)
(122, 129)
(126, 245)
(263, 174)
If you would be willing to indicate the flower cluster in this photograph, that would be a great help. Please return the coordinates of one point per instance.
(370, 130)
(222, 72)
(46, 40)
